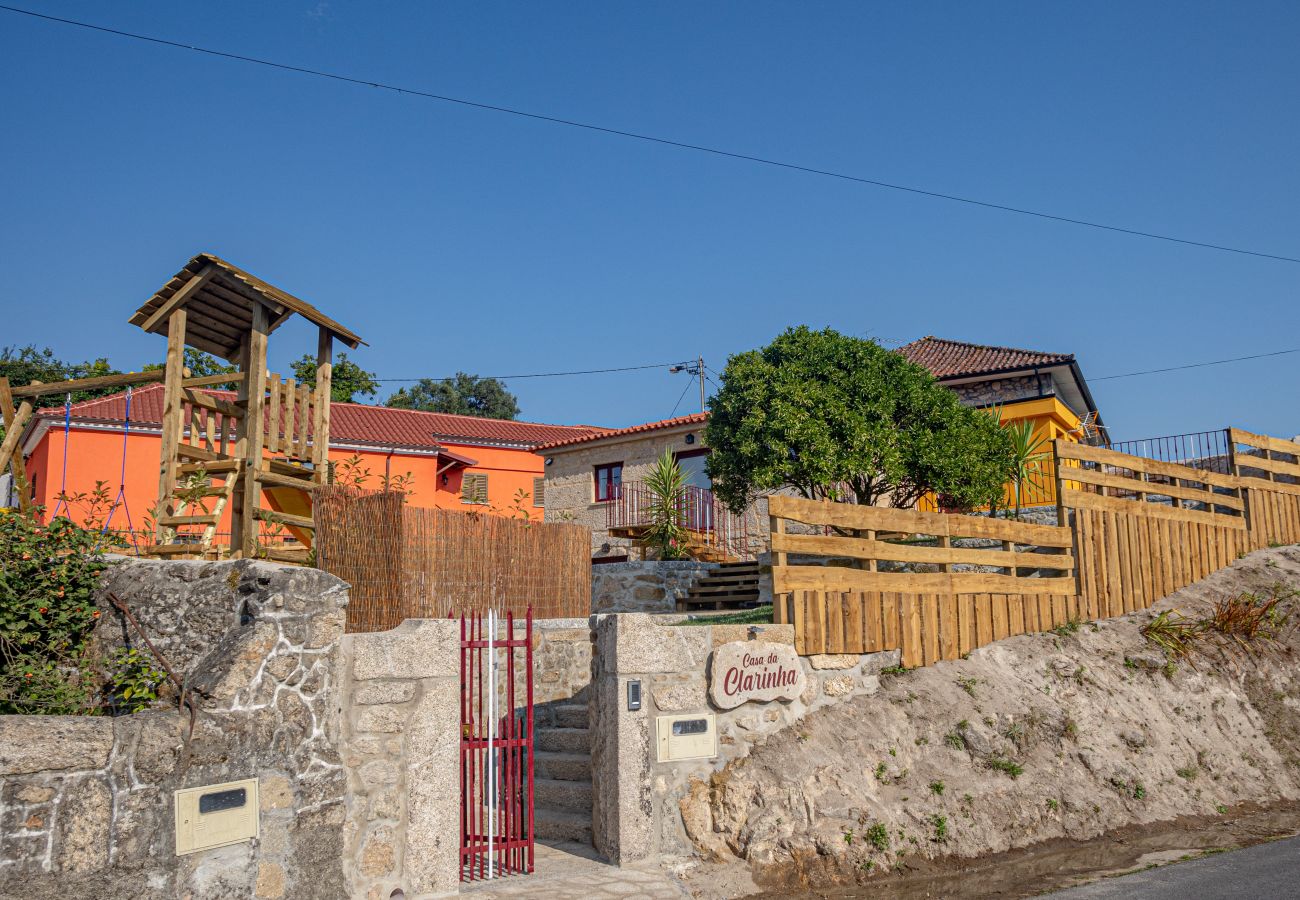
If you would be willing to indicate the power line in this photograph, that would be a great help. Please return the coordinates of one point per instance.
(541, 374)
(681, 145)
(689, 385)
(1216, 362)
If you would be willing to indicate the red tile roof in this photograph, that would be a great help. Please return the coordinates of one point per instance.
(356, 423)
(956, 359)
(692, 419)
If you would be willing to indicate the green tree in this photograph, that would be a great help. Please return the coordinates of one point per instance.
(200, 364)
(23, 365)
(839, 417)
(466, 395)
(347, 379)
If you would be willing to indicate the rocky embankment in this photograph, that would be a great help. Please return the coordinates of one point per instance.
(1058, 735)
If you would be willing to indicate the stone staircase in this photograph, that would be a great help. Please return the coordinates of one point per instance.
(732, 585)
(562, 772)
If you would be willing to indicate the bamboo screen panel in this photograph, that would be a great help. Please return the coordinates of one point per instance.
(408, 562)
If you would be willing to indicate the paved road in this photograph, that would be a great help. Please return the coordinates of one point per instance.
(1263, 872)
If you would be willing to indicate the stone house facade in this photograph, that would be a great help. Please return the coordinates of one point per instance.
(578, 472)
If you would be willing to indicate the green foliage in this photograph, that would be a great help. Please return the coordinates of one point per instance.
(1026, 469)
(940, 824)
(1006, 766)
(48, 575)
(842, 418)
(135, 680)
(200, 364)
(878, 836)
(466, 395)
(759, 615)
(1053, 804)
(23, 365)
(665, 531)
(936, 788)
(347, 379)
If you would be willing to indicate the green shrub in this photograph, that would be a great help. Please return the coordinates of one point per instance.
(135, 680)
(48, 576)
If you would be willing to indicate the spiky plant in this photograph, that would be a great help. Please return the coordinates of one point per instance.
(666, 531)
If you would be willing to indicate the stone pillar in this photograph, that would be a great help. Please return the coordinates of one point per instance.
(401, 691)
(629, 647)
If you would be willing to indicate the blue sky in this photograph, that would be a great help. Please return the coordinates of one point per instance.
(459, 239)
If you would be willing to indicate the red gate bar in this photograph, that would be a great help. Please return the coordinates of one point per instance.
(510, 739)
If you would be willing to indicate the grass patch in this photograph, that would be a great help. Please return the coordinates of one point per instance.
(759, 615)
(1006, 766)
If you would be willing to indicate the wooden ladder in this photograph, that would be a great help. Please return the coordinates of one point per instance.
(230, 471)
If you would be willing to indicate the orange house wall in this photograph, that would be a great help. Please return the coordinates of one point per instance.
(97, 455)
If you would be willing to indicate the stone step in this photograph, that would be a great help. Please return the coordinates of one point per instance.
(562, 826)
(731, 587)
(570, 715)
(562, 740)
(556, 795)
(561, 766)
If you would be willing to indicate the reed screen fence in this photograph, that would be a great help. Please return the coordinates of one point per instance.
(406, 562)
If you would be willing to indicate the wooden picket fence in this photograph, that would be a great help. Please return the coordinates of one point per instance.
(404, 562)
(987, 579)
(856, 579)
(1269, 469)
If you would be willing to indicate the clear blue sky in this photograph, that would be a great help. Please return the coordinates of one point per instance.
(458, 239)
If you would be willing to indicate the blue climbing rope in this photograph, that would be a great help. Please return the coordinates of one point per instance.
(63, 483)
(120, 500)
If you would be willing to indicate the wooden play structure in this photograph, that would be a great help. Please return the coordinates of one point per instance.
(264, 439)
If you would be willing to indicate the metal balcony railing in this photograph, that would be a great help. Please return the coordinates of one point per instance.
(701, 513)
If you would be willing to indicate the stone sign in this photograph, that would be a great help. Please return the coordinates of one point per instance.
(754, 670)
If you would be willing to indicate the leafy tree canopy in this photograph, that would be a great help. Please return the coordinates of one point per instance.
(23, 365)
(200, 364)
(467, 395)
(836, 416)
(347, 379)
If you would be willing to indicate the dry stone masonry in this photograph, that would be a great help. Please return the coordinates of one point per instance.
(87, 801)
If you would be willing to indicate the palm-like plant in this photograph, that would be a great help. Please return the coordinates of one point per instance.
(665, 530)
(1027, 455)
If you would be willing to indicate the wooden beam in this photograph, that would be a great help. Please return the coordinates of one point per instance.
(255, 367)
(204, 401)
(180, 298)
(13, 434)
(174, 374)
(85, 384)
(324, 386)
(18, 466)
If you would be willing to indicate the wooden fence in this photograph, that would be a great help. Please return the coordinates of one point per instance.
(987, 579)
(1145, 528)
(1269, 469)
(408, 562)
(935, 586)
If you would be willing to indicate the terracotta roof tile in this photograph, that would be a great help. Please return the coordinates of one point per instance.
(955, 359)
(356, 423)
(692, 419)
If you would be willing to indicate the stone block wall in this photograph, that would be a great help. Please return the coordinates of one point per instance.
(638, 800)
(650, 586)
(86, 804)
(1003, 390)
(401, 743)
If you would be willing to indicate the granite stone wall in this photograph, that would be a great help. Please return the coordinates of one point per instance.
(638, 801)
(401, 740)
(86, 804)
(651, 586)
(1003, 390)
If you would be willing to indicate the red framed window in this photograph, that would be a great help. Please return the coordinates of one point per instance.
(609, 478)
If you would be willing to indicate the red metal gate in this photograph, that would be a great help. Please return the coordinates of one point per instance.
(496, 747)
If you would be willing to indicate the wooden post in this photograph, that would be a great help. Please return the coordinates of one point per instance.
(18, 466)
(779, 612)
(321, 424)
(255, 386)
(174, 374)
